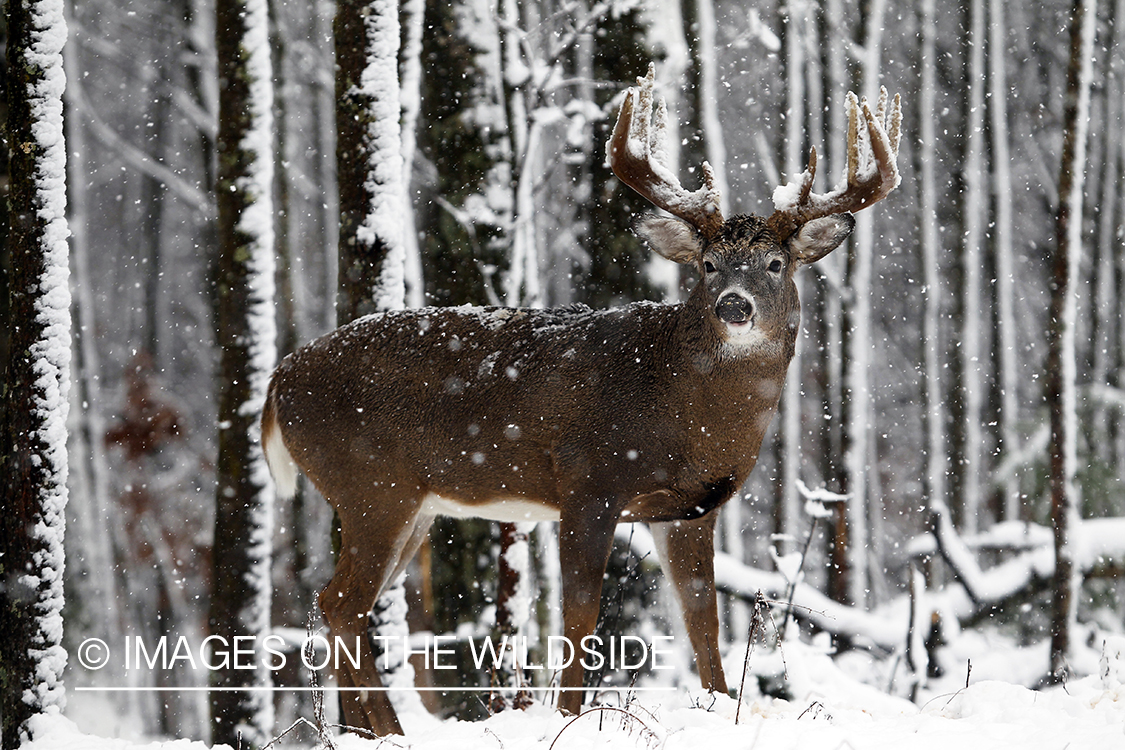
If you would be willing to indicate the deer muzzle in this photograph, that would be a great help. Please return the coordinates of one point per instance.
(735, 309)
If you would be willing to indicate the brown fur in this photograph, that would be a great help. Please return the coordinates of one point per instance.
(643, 413)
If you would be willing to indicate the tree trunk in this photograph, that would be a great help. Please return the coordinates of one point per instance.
(936, 464)
(714, 144)
(834, 353)
(371, 253)
(1105, 318)
(324, 168)
(245, 333)
(37, 373)
(151, 224)
(1006, 355)
(410, 71)
(786, 515)
(89, 472)
(858, 343)
(967, 504)
(368, 159)
(5, 258)
(522, 285)
(513, 598)
(1061, 358)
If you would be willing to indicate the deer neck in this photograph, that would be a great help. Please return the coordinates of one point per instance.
(724, 402)
(722, 367)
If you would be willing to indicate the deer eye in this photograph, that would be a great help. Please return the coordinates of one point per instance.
(775, 266)
(708, 266)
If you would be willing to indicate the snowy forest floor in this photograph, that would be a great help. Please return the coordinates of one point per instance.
(835, 703)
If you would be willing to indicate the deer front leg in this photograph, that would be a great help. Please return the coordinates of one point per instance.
(585, 539)
(687, 555)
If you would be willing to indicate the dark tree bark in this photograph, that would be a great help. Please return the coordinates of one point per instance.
(33, 431)
(365, 117)
(5, 182)
(1061, 357)
(245, 333)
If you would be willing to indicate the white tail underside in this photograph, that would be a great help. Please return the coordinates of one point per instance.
(282, 468)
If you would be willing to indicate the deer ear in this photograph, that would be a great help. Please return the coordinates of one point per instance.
(674, 239)
(818, 237)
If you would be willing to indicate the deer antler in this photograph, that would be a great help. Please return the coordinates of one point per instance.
(872, 169)
(638, 154)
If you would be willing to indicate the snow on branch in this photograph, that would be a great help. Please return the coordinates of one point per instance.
(865, 629)
(862, 628)
(816, 501)
(1099, 543)
(955, 552)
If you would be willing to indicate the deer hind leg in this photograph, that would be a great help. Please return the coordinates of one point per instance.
(372, 547)
(687, 555)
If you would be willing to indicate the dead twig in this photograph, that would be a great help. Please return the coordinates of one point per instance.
(647, 731)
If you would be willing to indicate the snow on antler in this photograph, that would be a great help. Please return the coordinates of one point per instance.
(639, 156)
(872, 171)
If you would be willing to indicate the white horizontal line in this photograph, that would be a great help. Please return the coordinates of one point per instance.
(274, 689)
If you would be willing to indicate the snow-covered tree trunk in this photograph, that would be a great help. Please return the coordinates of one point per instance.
(246, 335)
(1061, 356)
(37, 374)
(714, 143)
(834, 352)
(935, 467)
(788, 505)
(368, 159)
(513, 586)
(410, 67)
(518, 81)
(372, 256)
(325, 166)
(1006, 343)
(1119, 205)
(858, 342)
(974, 209)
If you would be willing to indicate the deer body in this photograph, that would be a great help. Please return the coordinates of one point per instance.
(649, 412)
(640, 399)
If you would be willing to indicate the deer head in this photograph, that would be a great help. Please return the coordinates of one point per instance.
(747, 263)
(650, 413)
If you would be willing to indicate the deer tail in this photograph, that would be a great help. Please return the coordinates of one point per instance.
(282, 467)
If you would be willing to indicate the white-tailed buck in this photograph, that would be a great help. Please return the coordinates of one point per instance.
(648, 413)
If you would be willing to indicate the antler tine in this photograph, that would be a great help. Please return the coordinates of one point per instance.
(638, 154)
(872, 169)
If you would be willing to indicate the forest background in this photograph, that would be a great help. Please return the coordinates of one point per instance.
(921, 388)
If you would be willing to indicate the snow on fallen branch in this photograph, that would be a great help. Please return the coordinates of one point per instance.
(1098, 543)
(862, 628)
(955, 552)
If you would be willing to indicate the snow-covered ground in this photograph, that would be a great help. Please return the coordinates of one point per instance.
(834, 705)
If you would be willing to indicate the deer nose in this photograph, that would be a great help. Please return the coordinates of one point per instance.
(734, 308)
